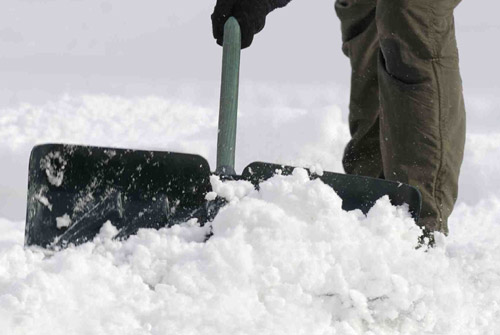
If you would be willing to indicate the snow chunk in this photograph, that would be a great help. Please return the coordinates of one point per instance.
(316, 169)
(107, 230)
(231, 190)
(44, 201)
(211, 196)
(54, 164)
(63, 221)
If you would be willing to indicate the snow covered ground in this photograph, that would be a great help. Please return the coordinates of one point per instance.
(286, 260)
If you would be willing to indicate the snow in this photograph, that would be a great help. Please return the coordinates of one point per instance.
(284, 260)
(44, 201)
(63, 221)
(54, 166)
(229, 190)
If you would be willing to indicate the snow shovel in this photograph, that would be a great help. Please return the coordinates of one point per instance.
(73, 190)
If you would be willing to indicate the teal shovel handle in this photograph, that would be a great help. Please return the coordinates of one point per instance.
(228, 111)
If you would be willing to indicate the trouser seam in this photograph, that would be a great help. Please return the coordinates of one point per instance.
(435, 59)
(437, 180)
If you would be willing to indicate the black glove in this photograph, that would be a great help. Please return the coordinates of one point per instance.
(251, 15)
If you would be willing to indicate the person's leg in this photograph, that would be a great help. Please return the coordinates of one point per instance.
(360, 44)
(422, 115)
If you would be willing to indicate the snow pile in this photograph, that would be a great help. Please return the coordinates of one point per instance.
(284, 260)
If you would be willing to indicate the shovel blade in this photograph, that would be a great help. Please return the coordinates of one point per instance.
(356, 192)
(73, 190)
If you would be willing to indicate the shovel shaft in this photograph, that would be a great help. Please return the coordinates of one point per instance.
(228, 111)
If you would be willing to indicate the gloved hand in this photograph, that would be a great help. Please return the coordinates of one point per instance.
(251, 15)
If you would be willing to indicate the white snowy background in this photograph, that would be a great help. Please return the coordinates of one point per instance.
(285, 261)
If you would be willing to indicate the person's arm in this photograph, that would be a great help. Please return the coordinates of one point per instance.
(251, 15)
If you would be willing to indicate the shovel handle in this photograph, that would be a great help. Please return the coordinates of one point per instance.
(228, 110)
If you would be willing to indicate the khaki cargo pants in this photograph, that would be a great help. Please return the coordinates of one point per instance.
(407, 116)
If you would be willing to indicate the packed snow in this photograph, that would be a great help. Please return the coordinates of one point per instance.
(282, 260)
